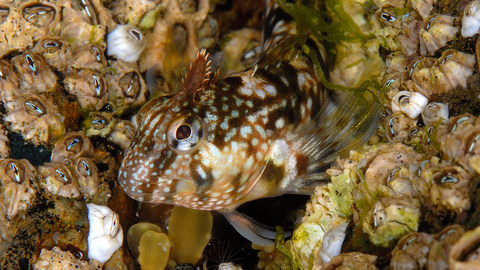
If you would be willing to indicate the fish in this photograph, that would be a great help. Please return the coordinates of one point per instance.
(267, 131)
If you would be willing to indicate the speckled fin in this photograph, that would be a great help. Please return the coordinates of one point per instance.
(344, 124)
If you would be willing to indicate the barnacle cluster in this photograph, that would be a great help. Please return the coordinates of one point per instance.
(421, 165)
(69, 78)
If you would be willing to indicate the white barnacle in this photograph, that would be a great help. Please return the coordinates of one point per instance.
(409, 103)
(332, 242)
(433, 112)
(105, 234)
(471, 19)
(126, 43)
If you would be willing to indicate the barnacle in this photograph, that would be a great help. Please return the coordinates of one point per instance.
(174, 15)
(390, 219)
(441, 245)
(24, 22)
(443, 187)
(85, 22)
(99, 123)
(18, 188)
(464, 253)
(123, 133)
(429, 76)
(36, 117)
(433, 112)
(127, 12)
(90, 56)
(352, 260)
(89, 87)
(409, 103)
(126, 43)
(126, 88)
(59, 259)
(56, 52)
(9, 82)
(4, 149)
(58, 180)
(105, 234)
(86, 173)
(435, 32)
(471, 19)
(423, 7)
(411, 251)
(35, 74)
(72, 146)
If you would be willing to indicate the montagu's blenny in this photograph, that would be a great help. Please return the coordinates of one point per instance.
(264, 132)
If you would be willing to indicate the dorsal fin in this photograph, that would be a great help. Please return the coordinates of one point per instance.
(198, 75)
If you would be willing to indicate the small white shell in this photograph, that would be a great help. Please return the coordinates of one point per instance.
(105, 235)
(409, 103)
(471, 19)
(433, 112)
(332, 242)
(126, 43)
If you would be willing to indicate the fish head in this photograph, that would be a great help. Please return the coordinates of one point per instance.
(181, 155)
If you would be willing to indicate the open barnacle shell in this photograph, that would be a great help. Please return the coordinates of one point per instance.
(105, 234)
(443, 187)
(390, 219)
(36, 117)
(24, 22)
(126, 43)
(56, 51)
(71, 147)
(436, 31)
(409, 103)
(85, 20)
(17, 183)
(99, 123)
(90, 56)
(9, 82)
(411, 251)
(89, 87)
(57, 179)
(86, 173)
(126, 89)
(441, 245)
(387, 28)
(433, 112)
(35, 74)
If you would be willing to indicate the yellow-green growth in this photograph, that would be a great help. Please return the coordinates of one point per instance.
(135, 233)
(154, 251)
(190, 231)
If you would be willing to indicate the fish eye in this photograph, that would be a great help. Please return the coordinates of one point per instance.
(185, 134)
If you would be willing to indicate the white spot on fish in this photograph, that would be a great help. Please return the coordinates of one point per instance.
(280, 123)
(260, 93)
(201, 172)
(245, 131)
(270, 90)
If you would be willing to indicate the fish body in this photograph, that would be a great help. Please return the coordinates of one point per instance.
(216, 145)
(263, 132)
